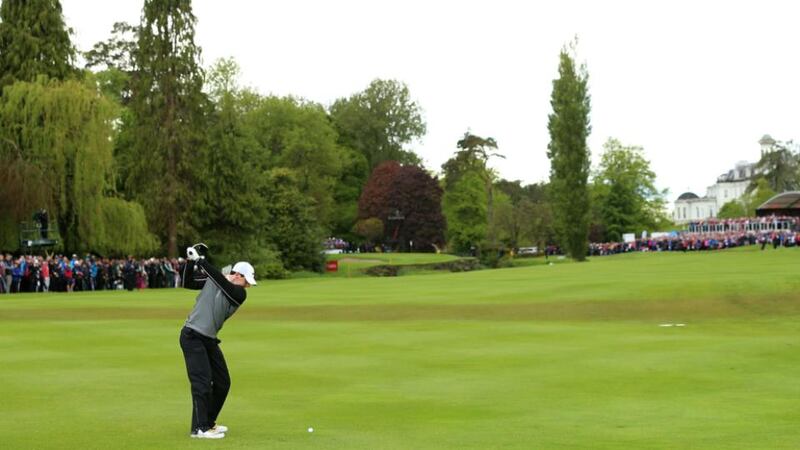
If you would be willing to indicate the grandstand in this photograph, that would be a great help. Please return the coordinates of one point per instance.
(785, 204)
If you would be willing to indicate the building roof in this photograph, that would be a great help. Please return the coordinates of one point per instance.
(688, 196)
(784, 201)
(743, 171)
(766, 140)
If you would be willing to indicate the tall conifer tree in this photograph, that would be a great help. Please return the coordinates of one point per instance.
(34, 41)
(569, 156)
(167, 105)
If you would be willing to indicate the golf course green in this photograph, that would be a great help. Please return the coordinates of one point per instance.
(637, 351)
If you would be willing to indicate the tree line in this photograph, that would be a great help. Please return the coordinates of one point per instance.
(142, 150)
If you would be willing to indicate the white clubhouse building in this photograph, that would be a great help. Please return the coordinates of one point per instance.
(690, 207)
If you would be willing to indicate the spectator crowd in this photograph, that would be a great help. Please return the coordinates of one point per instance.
(714, 234)
(31, 273)
(338, 245)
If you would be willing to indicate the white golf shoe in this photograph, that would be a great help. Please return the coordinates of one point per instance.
(219, 429)
(208, 434)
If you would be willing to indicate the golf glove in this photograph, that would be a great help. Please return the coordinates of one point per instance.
(191, 254)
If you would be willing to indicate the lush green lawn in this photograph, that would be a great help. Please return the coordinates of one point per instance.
(566, 356)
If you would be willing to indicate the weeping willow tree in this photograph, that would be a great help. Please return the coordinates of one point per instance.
(56, 145)
(125, 231)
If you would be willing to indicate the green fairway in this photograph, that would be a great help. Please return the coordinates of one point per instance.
(568, 356)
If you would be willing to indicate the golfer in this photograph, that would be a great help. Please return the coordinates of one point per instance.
(220, 296)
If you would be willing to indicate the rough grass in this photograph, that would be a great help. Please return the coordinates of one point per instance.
(565, 356)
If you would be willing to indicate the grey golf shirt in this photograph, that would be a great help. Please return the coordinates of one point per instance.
(217, 300)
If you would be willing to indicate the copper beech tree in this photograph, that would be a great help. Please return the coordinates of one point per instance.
(407, 200)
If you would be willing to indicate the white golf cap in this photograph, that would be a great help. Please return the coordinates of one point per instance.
(246, 270)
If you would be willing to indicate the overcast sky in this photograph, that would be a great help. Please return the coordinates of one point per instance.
(695, 83)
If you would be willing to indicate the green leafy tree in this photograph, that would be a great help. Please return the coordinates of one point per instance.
(618, 211)
(750, 201)
(457, 166)
(780, 166)
(379, 122)
(289, 223)
(569, 128)
(522, 215)
(597, 227)
(477, 151)
(245, 210)
(464, 207)
(514, 212)
(113, 60)
(346, 192)
(373, 126)
(732, 210)
(370, 229)
(283, 237)
(233, 205)
(168, 137)
(298, 135)
(117, 51)
(538, 228)
(505, 225)
(511, 213)
(758, 196)
(34, 41)
(472, 157)
(626, 194)
(114, 69)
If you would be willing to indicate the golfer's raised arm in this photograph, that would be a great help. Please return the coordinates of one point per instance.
(192, 279)
(235, 294)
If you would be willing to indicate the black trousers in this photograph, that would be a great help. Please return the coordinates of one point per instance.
(208, 376)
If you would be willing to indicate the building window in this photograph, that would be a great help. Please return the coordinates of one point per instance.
(726, 193)
(697, 210)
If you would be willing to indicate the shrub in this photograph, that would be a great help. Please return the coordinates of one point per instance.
(459, 265)
(383, 271)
